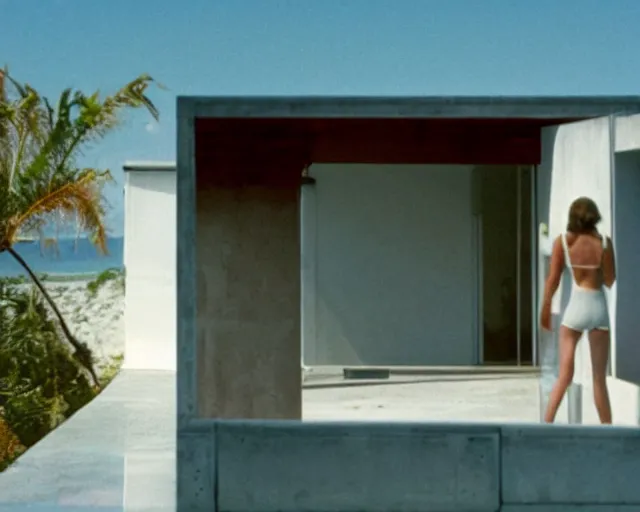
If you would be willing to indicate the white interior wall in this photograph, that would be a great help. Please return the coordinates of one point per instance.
(150, 266)
(389, 266)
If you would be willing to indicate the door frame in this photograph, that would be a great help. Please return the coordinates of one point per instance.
(611, 367)
(535, 264)
(477, 244)
(478, 305)
(307, 230)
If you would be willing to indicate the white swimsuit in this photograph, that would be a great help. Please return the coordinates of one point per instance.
(587, 308)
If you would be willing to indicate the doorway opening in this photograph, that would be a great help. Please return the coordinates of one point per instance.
(504, 196)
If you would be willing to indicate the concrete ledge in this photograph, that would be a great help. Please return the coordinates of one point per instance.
(570, 465)
(290, 466)
(569, 508)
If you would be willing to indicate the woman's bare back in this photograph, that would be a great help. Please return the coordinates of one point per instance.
(586, 254)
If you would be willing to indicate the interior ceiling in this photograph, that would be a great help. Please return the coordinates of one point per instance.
(232, 145)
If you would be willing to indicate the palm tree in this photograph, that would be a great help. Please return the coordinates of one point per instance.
(39, 174)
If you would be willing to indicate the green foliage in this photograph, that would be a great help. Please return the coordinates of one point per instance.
(41, 384)
(108, 276)
(109, 370)
(10, 446)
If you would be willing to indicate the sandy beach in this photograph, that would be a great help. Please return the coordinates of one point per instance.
(97, 320)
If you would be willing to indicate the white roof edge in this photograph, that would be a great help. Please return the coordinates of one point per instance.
(149, 165)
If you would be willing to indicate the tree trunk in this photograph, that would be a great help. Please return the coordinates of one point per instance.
(82, 352)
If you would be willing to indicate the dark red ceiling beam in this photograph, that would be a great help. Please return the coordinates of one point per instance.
(251, 150)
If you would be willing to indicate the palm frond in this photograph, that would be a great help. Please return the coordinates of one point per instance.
(80, 196)
(41, 142)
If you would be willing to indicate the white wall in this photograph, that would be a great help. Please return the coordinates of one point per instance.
(150, 265)
(576, 162)
(388, 265)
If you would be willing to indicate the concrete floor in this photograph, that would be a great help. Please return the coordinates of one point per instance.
(118, 453)
(499, 397)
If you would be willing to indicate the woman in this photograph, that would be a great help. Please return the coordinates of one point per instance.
(590, 259)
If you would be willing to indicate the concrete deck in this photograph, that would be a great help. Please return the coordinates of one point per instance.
(478, 397)
(118, 453)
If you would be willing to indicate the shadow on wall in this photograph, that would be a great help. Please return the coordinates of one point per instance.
(152, 183)
(627, 244)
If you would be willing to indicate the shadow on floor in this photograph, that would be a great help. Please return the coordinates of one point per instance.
(395, 382)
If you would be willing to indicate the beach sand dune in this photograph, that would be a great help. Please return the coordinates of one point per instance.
(95, 319)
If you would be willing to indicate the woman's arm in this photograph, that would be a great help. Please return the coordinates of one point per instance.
(552, 283)
(609, 265)
(555, 271)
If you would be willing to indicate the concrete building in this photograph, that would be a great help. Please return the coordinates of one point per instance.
(423, 231)
(373, 294)
(419, 217)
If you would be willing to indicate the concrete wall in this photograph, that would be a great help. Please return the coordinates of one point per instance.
(627, 244)
(627, 136)
(248, 302)
(388, 265)
(289, 466)
(150, 265)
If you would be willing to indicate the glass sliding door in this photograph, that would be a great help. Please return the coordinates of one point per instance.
(505, 264)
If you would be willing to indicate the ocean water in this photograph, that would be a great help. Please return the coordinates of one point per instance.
(86, 260)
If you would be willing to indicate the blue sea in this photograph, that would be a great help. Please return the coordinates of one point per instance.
(86, 260)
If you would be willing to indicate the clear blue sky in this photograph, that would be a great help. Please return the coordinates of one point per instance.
(333, 47)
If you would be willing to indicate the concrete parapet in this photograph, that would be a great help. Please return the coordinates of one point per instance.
(258, 465)
(542, 464)
(341, 467)
(569, 508)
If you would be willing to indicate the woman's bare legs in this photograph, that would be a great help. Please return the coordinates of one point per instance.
(567, 350)
(599, 343)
